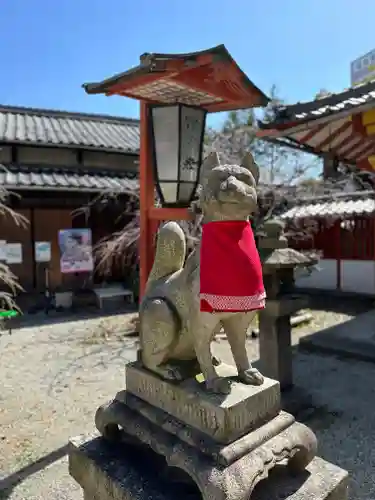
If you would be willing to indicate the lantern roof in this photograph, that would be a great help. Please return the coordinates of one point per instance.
(210, 79)
(284, 258)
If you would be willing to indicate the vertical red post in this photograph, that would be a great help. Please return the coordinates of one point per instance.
(337, 243)
(146, 185)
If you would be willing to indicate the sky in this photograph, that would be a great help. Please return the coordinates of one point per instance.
(51, 47)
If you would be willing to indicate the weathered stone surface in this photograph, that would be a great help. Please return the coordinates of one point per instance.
(275, 349)
(251, 462)
(281, 258)
(284, 306)
(321, 481)
(223, 417)
(272, 243)
(128, 407)
(173, 329)
(107, 472)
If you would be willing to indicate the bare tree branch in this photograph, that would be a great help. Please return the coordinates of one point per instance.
(7, 277)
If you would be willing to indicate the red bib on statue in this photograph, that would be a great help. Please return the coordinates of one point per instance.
(230, 269)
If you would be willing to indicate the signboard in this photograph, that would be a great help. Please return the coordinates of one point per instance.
(363, 69)
(3, 250)
(75, 250)
(14, 253)
(42, 251)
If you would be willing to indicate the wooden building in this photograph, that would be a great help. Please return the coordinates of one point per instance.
(338, 128)
(54, 162)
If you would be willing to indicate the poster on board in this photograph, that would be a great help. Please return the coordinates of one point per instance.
(3, 250)
(75, 250)
(14, 253)
(42, 251)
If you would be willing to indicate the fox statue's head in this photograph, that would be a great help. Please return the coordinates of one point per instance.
(228, 191)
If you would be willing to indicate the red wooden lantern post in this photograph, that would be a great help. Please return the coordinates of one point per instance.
(210, 80)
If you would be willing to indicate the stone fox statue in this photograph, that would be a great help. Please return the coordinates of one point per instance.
(174, 332)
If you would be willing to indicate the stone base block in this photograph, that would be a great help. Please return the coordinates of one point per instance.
(224, 418)
(109, 472)
(219, 471)
(142, 420)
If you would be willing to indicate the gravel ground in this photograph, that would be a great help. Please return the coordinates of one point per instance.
(54, 377)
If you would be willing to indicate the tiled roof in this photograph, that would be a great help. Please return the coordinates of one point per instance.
(63, 179)
(326, 125)
(336, 207)
(348, 100)
(59, 128)
(167, 78)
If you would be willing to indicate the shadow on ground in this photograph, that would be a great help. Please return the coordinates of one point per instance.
(339, 303)
(352, 339)
(8, 483)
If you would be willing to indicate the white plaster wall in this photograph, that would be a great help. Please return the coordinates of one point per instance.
(358, 276)
(325, 278)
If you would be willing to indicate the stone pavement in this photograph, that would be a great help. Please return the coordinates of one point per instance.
(354, 338)
(55, 376)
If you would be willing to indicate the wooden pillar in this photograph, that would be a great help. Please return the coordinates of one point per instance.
(330, 165)
(337, 244)
(150, 216)
(32, 234)
(146, 184)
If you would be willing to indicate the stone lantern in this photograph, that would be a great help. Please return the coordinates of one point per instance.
(279, 264)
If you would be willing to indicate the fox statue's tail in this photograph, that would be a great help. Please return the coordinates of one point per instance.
(170, 251)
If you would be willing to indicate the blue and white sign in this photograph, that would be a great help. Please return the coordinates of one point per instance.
(363, 69)
(42, 251)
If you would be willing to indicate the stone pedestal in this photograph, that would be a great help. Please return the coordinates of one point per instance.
(223, 418)
(108, 472)
(218, 447)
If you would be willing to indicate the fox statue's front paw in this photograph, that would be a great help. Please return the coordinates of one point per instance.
(252, 376)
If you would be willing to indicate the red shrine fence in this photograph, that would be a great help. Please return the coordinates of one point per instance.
(347, 248)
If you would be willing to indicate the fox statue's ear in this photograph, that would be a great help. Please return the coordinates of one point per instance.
(249, 163)
(210, 162)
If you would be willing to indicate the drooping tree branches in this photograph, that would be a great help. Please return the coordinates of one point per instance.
(8, 279)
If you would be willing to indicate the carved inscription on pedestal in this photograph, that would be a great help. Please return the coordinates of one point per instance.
(223, 417)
